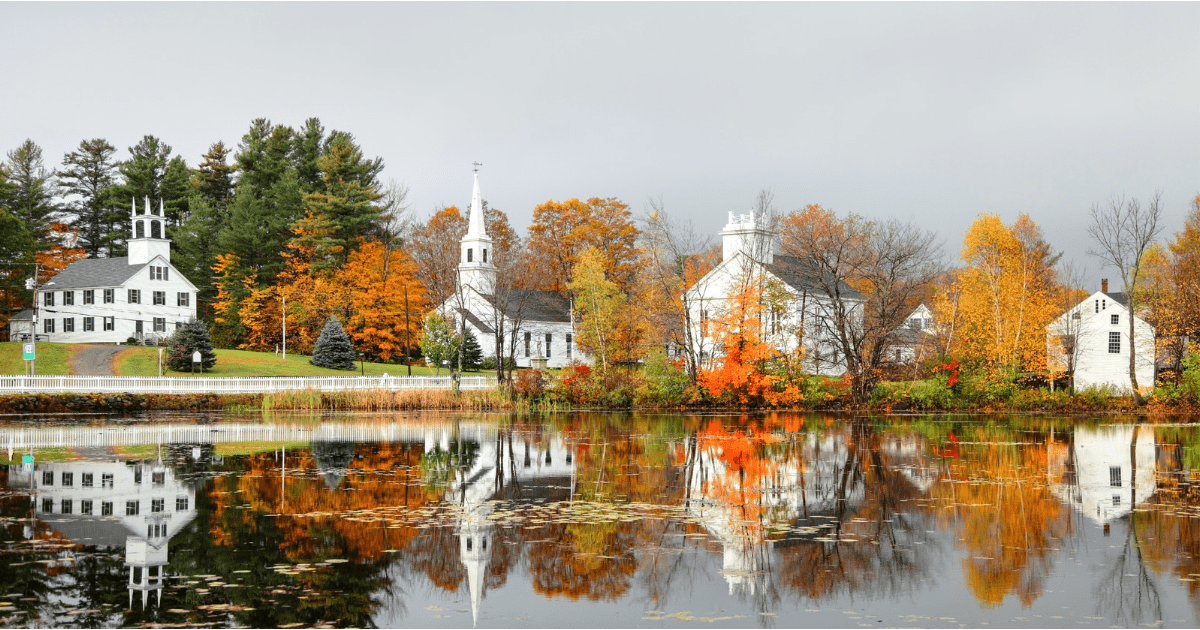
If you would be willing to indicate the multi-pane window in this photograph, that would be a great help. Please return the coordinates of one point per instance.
(1114, 476)
(135, 296)
(137, 327)
(106, 508)
(1116, 500)
(160, 324)
(48, 325)
(570, 353)
(108, 296)
(48, 298)
(47, 477)
(89, 296)
(68, 479)
(110, 323)
(47, 506)
(132, 508)
(89, 324)
(85, 506)
(68, 324)
(1114, 343)
(548, 337)
(106, 480)
(470, 254)
(160, 298)
(181, 504)
(156, 505)
(68, 506)
(183, 298)
(159, 273)
(87, 480)
(1115, 319)
(68, 298)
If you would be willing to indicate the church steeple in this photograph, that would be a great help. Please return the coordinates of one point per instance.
(149, 236)
(476, 267)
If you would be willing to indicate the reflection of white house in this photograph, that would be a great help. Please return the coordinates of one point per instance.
(798, 312)
(496, 466)
(1096, 331)
(137, 505)
(539, 323)
(112, 299)
(1114, 468)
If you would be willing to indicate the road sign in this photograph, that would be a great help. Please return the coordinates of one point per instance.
(196, 358)
(28, 351)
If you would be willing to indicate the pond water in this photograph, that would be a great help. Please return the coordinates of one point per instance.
(598, 520)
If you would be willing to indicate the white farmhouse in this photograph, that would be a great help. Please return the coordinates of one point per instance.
(1093, 339)
(749, 258)
(909, 343)
(106, 300)
(538, 323)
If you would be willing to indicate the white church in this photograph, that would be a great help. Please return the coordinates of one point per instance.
(538, 323)
(109, 300)
(750, 257)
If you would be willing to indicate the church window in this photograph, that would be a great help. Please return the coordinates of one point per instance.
(68, 298)
(89, 296)
(484, 254)
(1114, 343)
(1114, 476)
(470, 254)
(108, 296)
(160, 298)
(528, 339)
(548, 337)
(135, 296)
(181, 504)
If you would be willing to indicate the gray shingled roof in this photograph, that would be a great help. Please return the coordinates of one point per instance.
(802, 275)
(540, 306)
(1119, 298)
(25, 315)
(95, 272)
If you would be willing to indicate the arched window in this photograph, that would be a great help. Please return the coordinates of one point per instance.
(468, 544)
(156, 229)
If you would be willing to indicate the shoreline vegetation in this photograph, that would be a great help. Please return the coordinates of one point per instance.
(658, 385)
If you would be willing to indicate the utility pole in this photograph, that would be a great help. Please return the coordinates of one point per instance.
(284, 308)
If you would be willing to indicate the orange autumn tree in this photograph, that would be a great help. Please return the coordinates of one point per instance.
(739, 375)
(61, 252)
(1005, 295)
(561, 231)
(385, 298)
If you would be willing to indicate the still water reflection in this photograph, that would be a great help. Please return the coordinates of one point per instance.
(599, 520)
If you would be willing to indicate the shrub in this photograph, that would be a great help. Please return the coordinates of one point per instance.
(529, 384)
(489, 364)
(333, 349)
(191, 337)
(662, 382)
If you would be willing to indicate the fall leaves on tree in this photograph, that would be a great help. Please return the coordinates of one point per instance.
(562, 231)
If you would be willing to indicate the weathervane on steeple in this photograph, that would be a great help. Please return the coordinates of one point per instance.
(477, 165)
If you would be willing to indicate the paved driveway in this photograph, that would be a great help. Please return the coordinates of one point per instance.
(94, 360)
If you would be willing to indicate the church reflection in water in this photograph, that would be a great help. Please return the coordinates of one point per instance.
(134, 506)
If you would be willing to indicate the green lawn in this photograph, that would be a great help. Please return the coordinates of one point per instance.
(144, 362)
(51, 358)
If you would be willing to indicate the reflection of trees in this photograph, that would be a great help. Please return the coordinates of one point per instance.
(1005, 515)
(871, 526)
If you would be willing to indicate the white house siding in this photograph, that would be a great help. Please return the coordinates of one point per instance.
(1114, 470)
(561, 354)
(708, 300)
(125, 314)
(1095, 366)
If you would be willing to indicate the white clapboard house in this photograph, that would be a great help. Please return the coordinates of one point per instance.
(1093, 338)
(542, 319)
(107, 300)
(750, 254)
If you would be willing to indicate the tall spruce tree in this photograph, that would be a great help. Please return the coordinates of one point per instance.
(345, 211)
(30, 190)
(89, 174)
(176, 191)
(213, 178)
(333, 349)
(196, 248)
(307, 150)
(191, 337)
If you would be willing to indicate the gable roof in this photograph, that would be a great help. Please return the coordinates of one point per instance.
(802, 275)
(1120, 298)
(95, 272)
(24, 315)
(539, 306)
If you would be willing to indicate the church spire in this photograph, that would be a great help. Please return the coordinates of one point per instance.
(476, 268)
(475, 223)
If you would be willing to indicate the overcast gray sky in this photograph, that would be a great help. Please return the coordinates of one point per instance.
(935, 112)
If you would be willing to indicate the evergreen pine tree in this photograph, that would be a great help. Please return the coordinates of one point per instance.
(30, 188)
(89, 173)
(472, 354)
(191, 337)
(333, 349)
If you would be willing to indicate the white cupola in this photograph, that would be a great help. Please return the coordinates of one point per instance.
(747, 233)
(149, 236)
(476, 265)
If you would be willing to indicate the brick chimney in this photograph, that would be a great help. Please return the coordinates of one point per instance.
(1104, 285)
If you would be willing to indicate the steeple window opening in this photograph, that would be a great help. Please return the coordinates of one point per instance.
(485, 260)
(156, 229)
(139, 231)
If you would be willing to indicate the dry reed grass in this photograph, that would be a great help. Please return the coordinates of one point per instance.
(387, 400)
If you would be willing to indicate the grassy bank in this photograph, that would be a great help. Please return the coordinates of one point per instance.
(52, 358)
(144, 362)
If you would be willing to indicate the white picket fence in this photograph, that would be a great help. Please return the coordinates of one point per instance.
(229, 384)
